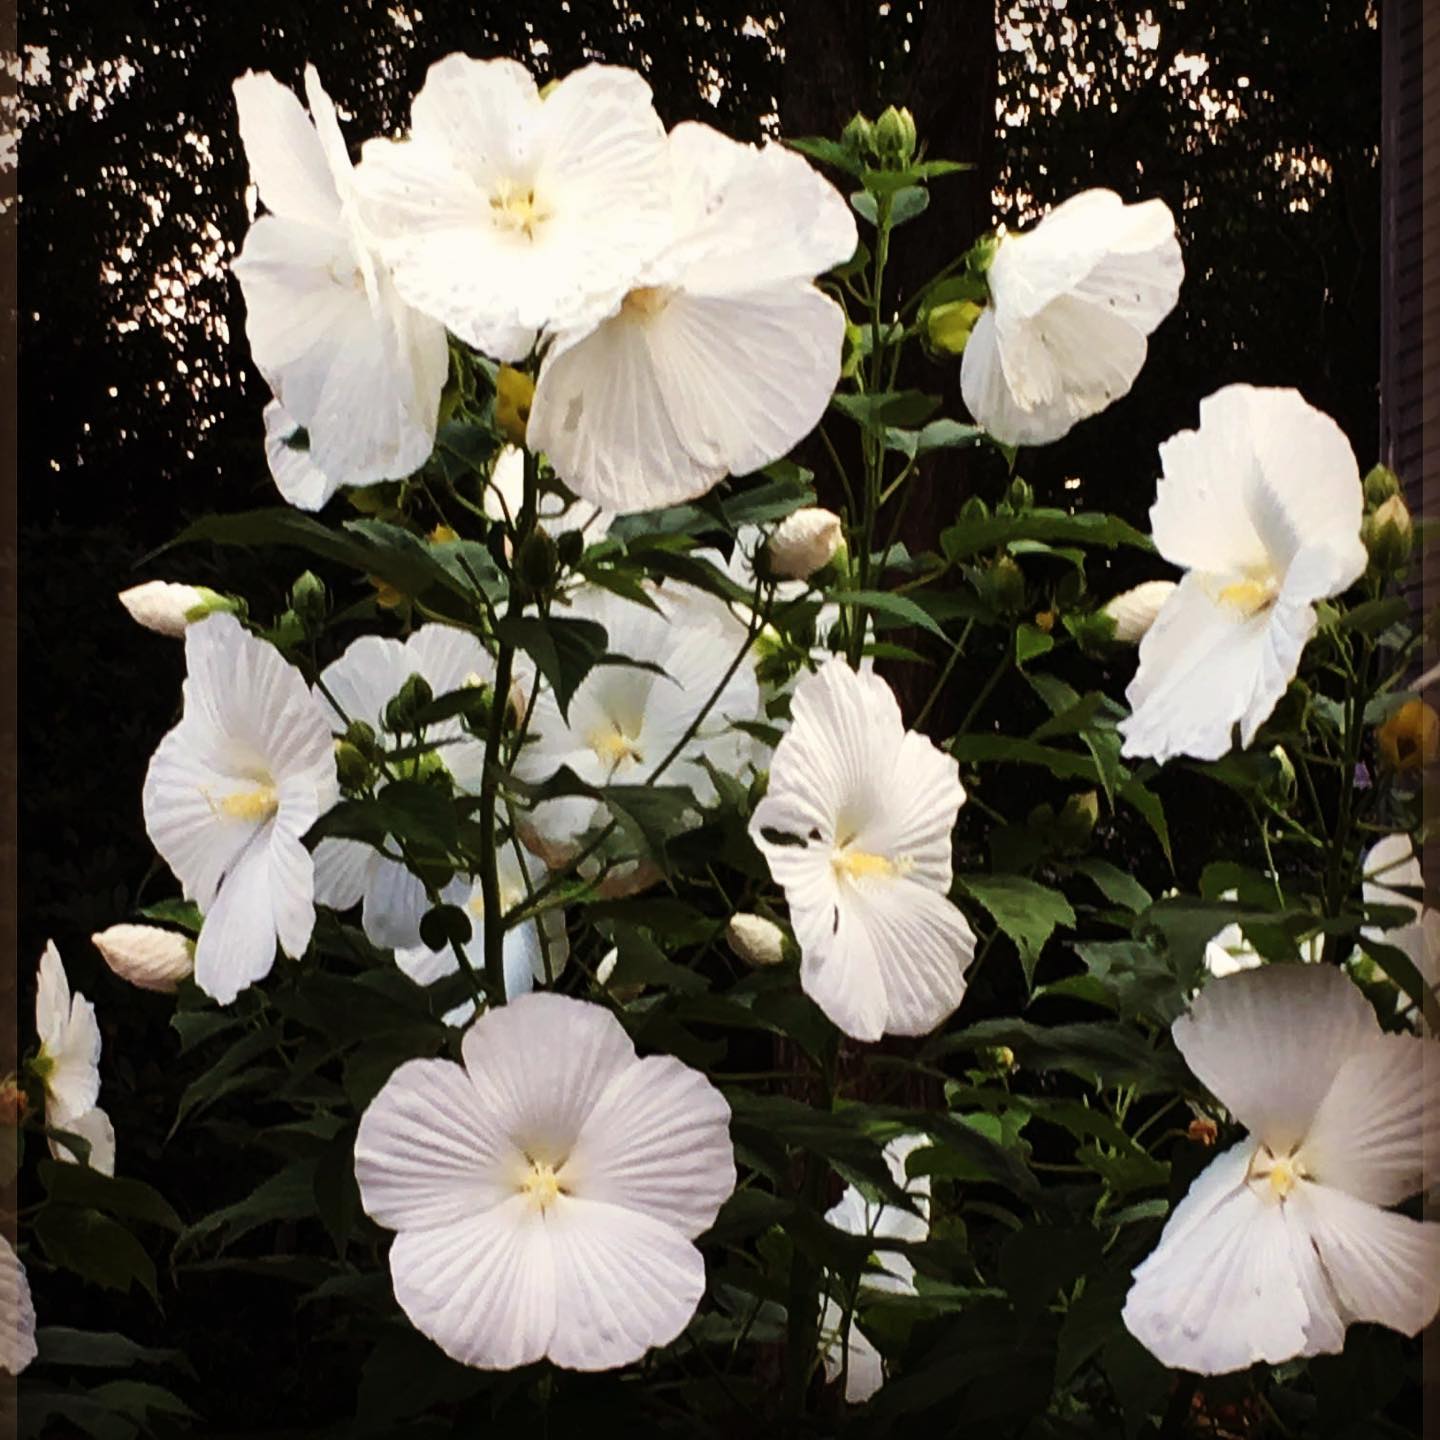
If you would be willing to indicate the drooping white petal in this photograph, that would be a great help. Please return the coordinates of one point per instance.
(859, 1359)
(69, 1039)
(92, 1125)
(1269, 1043)
(342, 871)
(298, 478)
(395, 903)
(625, 1281)
(17, 1312)
(237, 941)
(657, 1142)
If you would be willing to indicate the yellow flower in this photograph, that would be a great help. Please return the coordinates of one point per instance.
(442, 535)
(386, 595)
(514, 392)
(1410, 738)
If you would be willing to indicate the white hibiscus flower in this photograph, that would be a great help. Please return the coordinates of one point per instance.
(230, 791)
(723, 354)
(1071, 304)
(859, 1359)
(1283, 1241)
(506, 213)
(17, 1312)
(362, 682)
(1261, 506)
(547, 1192)
(1392, 867)
(856, 830)
(68, 1064)
(347, 359)
(623, 721)
(534, 950)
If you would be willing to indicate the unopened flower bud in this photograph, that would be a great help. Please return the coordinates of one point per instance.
(858, 137)
(1282, 782)
(1389, 534)
(538, 561)
(1410, 738)
(803, 543)
(1076, 821)
(1133, 612)
(1380, 484)
(974, 511)
(514, 394)
(895, 135)
(1203, 1130)
(413, 696)
(351, 767)
(147, 955)
(167, 608)
(998, 1058)
(1019, 495)
(1007, 584)
(948, 326)
(308, 599)
(755, 940)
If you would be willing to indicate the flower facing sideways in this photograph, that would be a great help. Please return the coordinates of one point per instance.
(723, 354)
(546, 1192)
(895, 1275)
(69, 1065)
(348, 360)
(1261, 506)
(856, 830)
(506, 213)
(1071, 304)
(1284, 1240)
(228, 795)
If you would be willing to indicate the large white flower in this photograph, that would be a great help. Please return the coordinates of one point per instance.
(228, 795)
(506, 213)
(548, 1191)
(856, 830)
(362, 682)
(1071, 304)
(623, 721)
(1392, 867)
(534, 950)
(69, 1064)
(857, 1357)
(1283, 1241)
(346, 357)
(1261, 506)
(17, 1312)
(723, 354)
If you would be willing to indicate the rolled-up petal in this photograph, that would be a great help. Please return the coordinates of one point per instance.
(1135, 611)
(167, 607)
(147, 955)
(803, 543)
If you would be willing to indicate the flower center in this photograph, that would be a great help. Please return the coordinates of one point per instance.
(515, 209)
(645, 302)
(859, 864)
(1251, 595)
(541, 1187)
(253, 806)
(614, 747)
(1281, 1173)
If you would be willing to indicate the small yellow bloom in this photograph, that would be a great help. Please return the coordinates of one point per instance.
(442, 535)
(1045, 620)
(386, 595)
(514, 393)
(1410, 738)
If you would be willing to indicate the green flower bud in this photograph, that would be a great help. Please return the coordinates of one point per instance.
(1380, 484)
(895, 135)
(1075, 823)
(309, 600)
(1019, 496)
(1389, 535)
(974, 511)
(362, 736)
(1006, 584)
(537, 562)
(351, 766)
(414, 695)
(1281, 785)
(570, 547)
(858, 137)
(948, 326)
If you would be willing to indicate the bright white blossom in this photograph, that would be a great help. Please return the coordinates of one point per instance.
(755, 940)
(856, 829)
(504, 213)
(506, 491)
(362, 682)
(147, 955)
(167, 607)
(1071, 304)
(546, 1192)
(1134, 611)
(1392, 867)
(17, 1312)
(804, 541)
(1261, 506)
(893, 1273)
(68, 1064)
(1284, 1240)
(722, 355)
(287, 452)
(346, 357)
(623, 721)
(228, 796)
(534, 950)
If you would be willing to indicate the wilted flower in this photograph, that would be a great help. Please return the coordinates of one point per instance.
(1134, 611)
(755, 940)
(167, 607)
(230, 791)
(1261, 506)
(856, 829)
(505, 213)
(147, 955)
(546, 1192)
(722, 354)
(17, 1312)
(68, 1065)
(1071, 304)
(804, 542)
(348, 360)
(1283, 1242)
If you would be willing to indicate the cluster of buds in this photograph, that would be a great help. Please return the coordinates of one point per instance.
(890, 140)
(1388, 530)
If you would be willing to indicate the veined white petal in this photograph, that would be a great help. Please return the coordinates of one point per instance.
(92, 1125)
(1392, 868)
(69, 1038)
(1269, 1043)
(148, 956)
(298, 478)
(287, 161)
(342, 872)
(237, 941)
(17, 1312)
(657, 1142)
(624, 1282)
(395, 903)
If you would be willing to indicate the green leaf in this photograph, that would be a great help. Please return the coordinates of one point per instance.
(898, 607)
(1025, 910)
(905, 408)
(1031, 641)
(907, 203)
(288, 1195)
(564, 650)
(1153, 812)
(410, 810)
(997, 749)
(888, 182)
(1403, 971)
(137, 1398)
(133, 1199)
(939, 434)
(1114, 883)
(100, 1350)
(1038, 1262)
(95, 1247)
(863, 203)
(185, 914)
(973, 536)
(1373, 616)
(827, 152)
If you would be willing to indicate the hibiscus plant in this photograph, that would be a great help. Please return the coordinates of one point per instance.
(627, 1008)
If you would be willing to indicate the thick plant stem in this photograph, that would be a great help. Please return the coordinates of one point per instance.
(802, 1304)
(494, 735)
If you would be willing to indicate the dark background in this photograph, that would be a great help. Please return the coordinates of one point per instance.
(1258, 124)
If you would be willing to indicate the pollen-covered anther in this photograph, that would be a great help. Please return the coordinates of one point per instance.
(859, 864)
(1281, 1173)
(614, 746)
(646, 301)
(516, 208)
(541, 1186)
(253, 806)
(1252, 595)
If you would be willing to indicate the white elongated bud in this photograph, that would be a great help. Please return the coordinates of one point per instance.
(606, 968)
(167, 607)
(755, 940)
(146, 955)
(1134, 611)
(803, 543)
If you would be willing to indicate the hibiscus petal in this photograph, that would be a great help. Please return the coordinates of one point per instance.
(17, 1312)
(93, 1125)
(395, 903)
(284, 153)
(237, 941)
(342, 870)
(298, 478)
